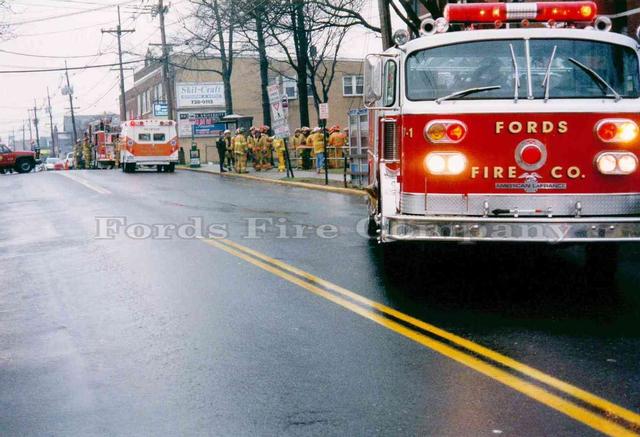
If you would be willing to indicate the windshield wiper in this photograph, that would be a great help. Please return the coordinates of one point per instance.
(467, 92)
(597, 78)
(546, 82)
(516, 73)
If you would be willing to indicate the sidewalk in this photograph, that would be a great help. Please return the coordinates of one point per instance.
(303, 178)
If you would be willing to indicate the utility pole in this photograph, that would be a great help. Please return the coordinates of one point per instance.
(385, 24)
(168, 90)
(30, 132)
(35, 123)
(69, 91)
(119, 31)
(53, 140)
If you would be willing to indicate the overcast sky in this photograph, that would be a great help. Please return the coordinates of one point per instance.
(48, 31)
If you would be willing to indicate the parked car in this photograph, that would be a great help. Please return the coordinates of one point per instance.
(54, 164)
(20, 161)
(68, 161)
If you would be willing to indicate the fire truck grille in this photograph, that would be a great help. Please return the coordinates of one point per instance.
(390, 141)
(525, 204)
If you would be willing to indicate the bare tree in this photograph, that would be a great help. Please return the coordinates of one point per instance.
(309, 39)
(405, 9)
(5, 9)
(258, 15)
(325, 47)
(213, 34)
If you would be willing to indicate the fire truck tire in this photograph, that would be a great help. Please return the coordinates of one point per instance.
(128, 168)
(171, 168)
(159, 168)
(24, 166)
(372, 227)
(601, 263)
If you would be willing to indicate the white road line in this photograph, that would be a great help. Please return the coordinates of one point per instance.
(84, 182)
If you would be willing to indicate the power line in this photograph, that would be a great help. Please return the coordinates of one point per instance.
(104, 95)
(71, 14)
(22, 35)
(86, 67)
(32, 55)
(119, 31)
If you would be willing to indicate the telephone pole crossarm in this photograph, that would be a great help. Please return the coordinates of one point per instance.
(118, 32)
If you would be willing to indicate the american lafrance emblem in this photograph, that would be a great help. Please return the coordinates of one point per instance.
(531, 184)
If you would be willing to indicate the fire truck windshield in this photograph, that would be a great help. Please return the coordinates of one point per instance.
(550, 69)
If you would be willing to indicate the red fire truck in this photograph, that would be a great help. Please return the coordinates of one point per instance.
(103, 138)
(521, 126)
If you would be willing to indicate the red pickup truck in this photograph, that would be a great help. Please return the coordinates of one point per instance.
(22, 161)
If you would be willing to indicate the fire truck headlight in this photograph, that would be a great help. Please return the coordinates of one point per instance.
(436, 164)
(616, 163)
(456, 164)
(445, 163)
(627, 164)
(606, 163)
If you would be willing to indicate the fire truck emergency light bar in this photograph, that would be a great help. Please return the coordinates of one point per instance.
(540, 11)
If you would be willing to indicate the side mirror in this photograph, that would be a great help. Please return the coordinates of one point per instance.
(372, 80)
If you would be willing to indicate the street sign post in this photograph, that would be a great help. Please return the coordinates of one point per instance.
(280, 119)
(323, 109)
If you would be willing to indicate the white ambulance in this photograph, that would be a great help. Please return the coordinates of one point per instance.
(149, 143)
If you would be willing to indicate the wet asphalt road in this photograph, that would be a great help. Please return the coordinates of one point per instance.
(152, 336)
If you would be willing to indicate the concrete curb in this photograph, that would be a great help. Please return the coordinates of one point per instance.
(339, 190)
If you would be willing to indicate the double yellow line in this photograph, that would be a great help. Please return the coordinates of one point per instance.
(579, 404)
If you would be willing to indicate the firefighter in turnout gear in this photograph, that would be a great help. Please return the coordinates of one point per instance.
(240, 151)
(337, 140)
(317, 142)
(278, 146)
(222, 145)
(77, 156)
(86, 151)
(116, 153)
(304, 149)
(230, 157)
(263, 151)
(252, 141)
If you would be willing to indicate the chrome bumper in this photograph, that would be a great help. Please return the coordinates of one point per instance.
(510, 229)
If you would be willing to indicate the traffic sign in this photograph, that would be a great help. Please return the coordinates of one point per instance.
(161, 109)
(324, 111)
(277, 111)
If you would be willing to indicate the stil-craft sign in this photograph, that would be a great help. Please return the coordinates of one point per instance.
(199, 94)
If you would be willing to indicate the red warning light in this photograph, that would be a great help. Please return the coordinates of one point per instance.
(572, 11)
